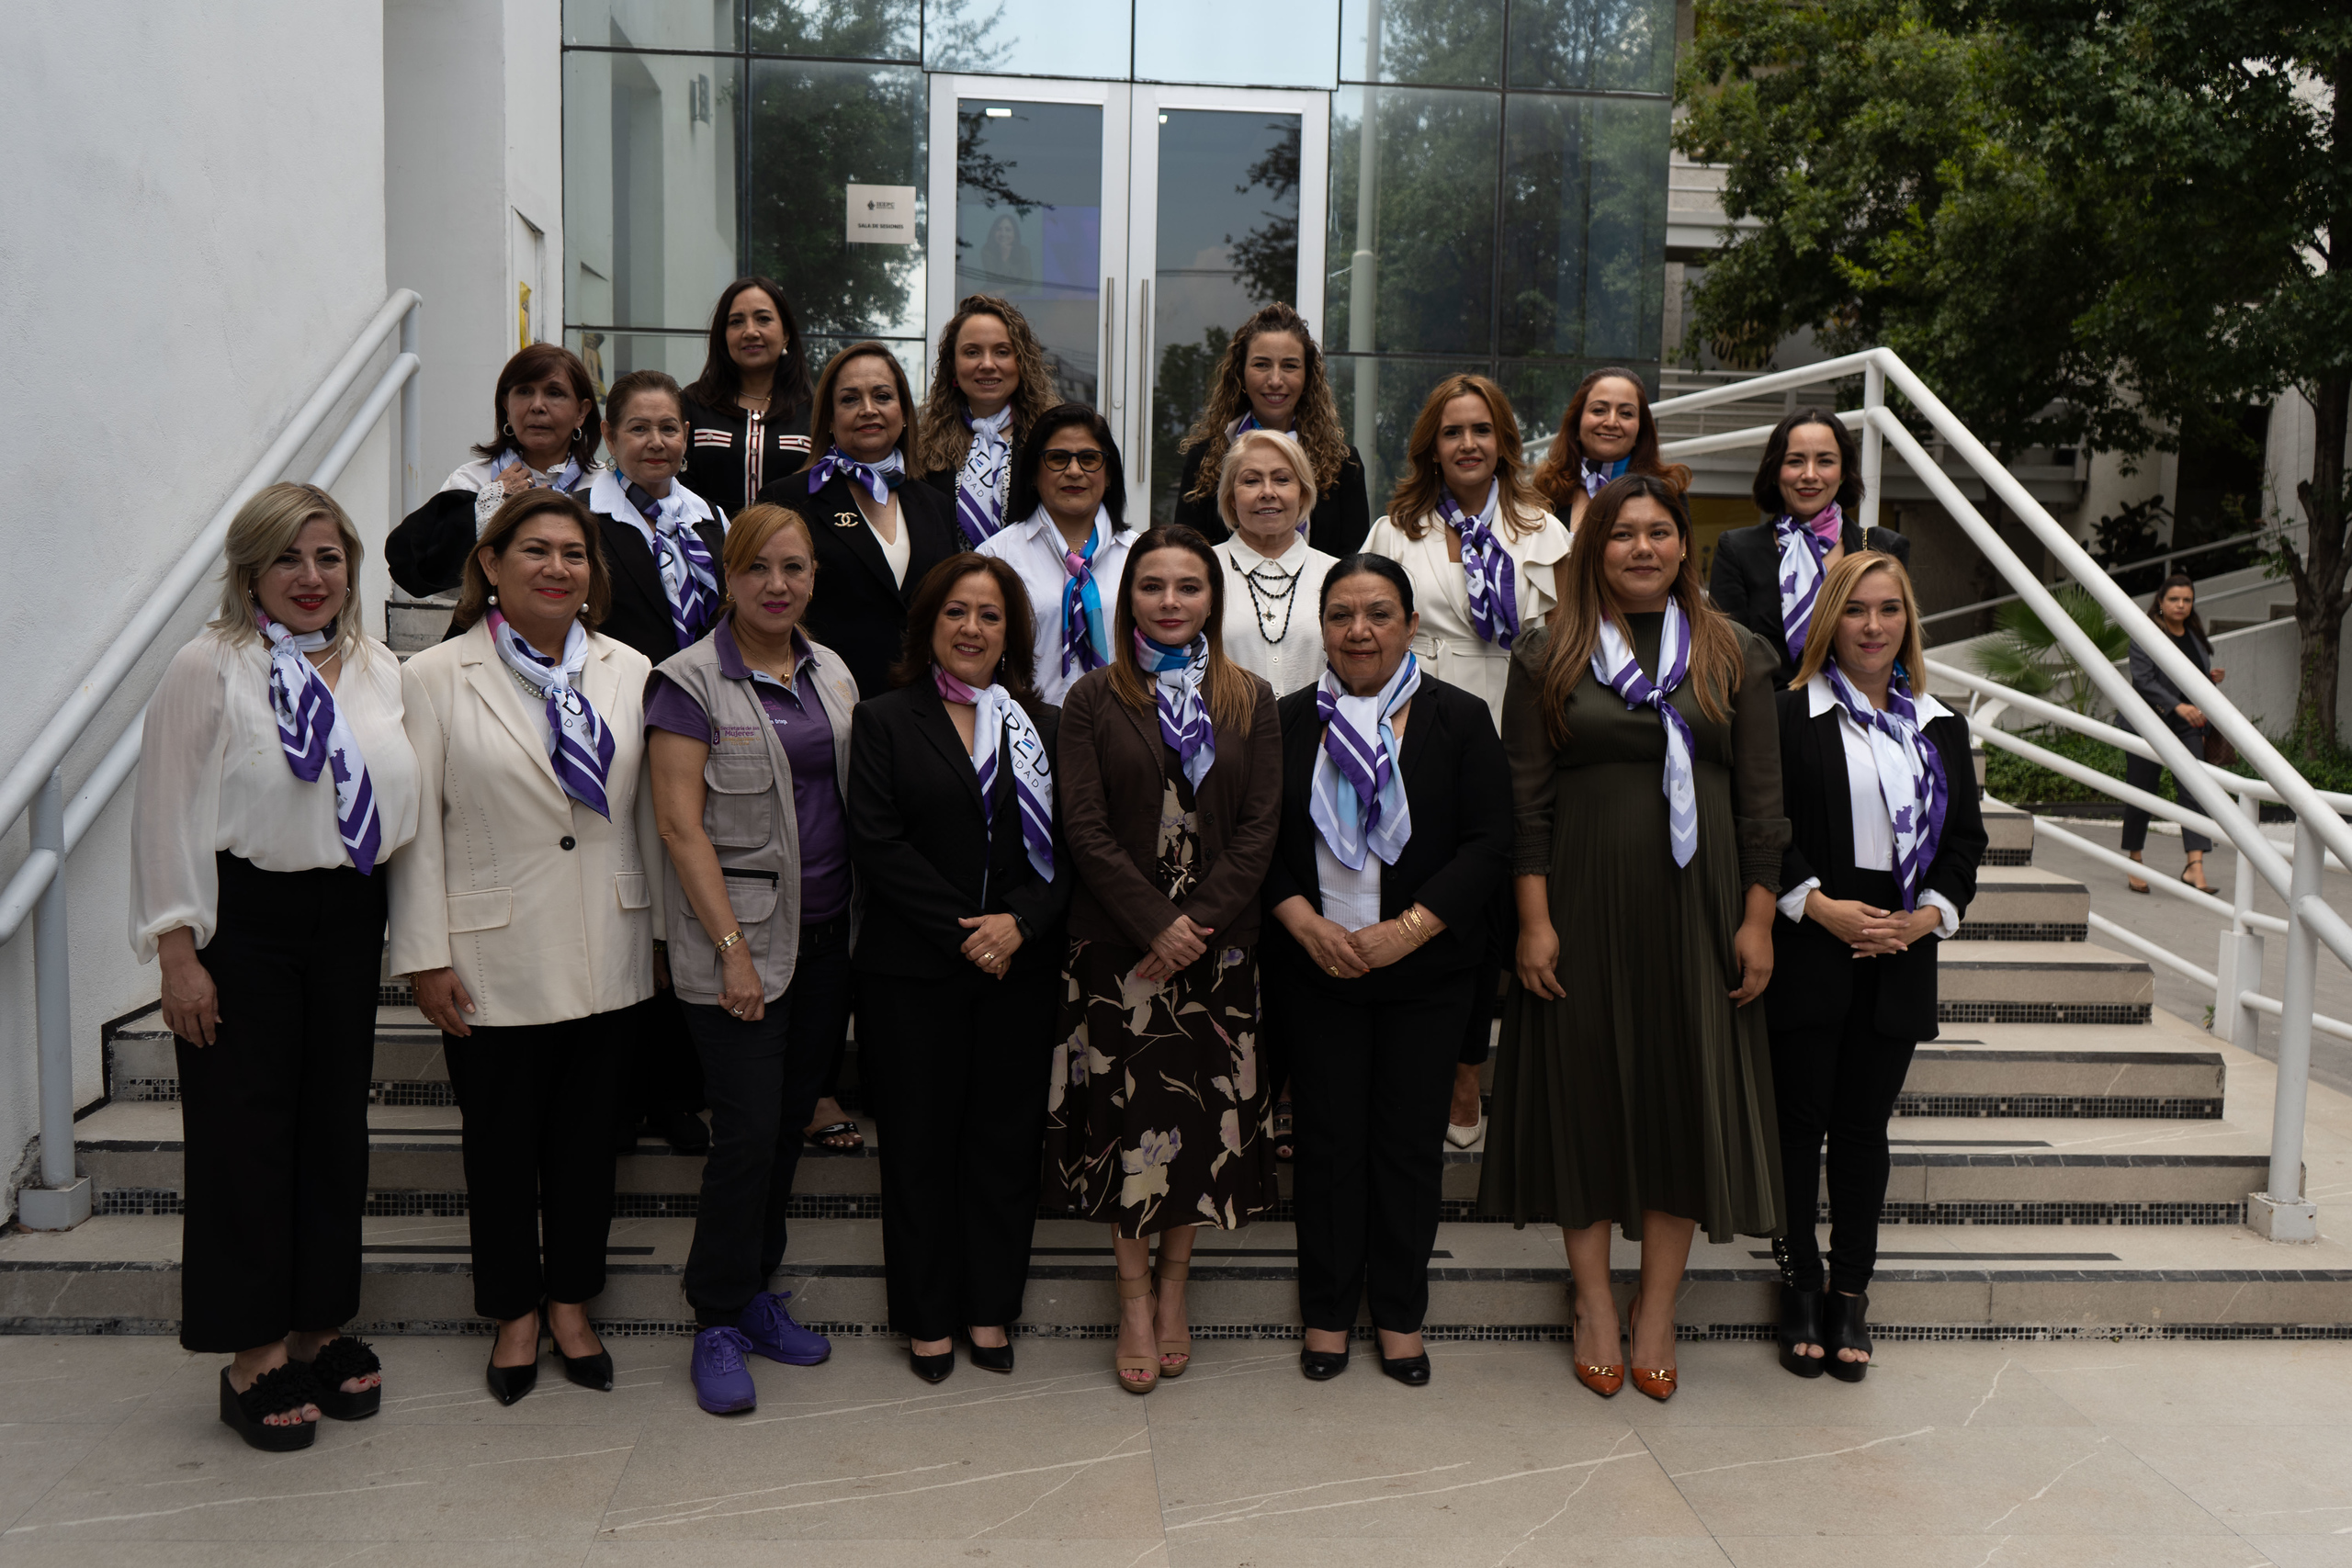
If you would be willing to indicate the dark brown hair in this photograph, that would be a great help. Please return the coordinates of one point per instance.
(635, 385)
(1768, 499)
(1023, 498)
(537, 362)
(722, 378)
(1420, 485)
(944, 440)
(1318, 415)
(473, 597)
(820, 412)
(1560, 476)
(2155, 606)
(1229, 690)
(1013, 670)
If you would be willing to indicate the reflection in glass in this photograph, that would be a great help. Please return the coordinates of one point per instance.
(1381, 427)
(1028, 38)
(610, 356)
(1602, 45)
(1245, 42)
(1429, 44)
(818, 128)
(653, 24)
(648, 186)
(1029, 224)
(1229, 244)
(909, 352)
(855, 29)
(1584, 227)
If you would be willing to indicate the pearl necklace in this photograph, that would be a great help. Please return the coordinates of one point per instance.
(537, 692)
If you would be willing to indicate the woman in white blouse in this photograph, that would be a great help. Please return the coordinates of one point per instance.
(1070, 492)
(524, 914)
(1265, 491)
(273, 778)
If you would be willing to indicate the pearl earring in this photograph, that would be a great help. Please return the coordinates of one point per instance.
(493, 598)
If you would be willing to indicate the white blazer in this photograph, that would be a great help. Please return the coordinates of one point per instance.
(546, 910)
(1447, 646)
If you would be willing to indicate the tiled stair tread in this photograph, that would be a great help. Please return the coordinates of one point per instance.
(2067, 958)
(2024, 878)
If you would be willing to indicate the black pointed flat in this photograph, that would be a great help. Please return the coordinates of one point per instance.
(1322, 1366)
(1413, 1372)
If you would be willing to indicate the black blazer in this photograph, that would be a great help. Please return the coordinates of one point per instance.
(1744, 581)
(640, 615)
(856, 609)
(426, 551)
(923, 848)
(1338, 525)
(1458, 785)
(1812, 972)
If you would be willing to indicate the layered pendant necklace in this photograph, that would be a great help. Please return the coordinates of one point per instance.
(1266, 600)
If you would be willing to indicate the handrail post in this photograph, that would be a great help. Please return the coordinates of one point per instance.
(63, 1200)
(1873, 443)
(2240, 968)
(2283, 1213)
(412, 422)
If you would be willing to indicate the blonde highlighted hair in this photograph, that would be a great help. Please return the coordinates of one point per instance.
(264, 529)
(1229, 471)
(1838, 586)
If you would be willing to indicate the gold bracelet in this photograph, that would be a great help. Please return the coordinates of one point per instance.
(729, 940)
(1421, 932)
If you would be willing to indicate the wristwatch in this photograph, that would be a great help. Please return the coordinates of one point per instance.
(1023, 927)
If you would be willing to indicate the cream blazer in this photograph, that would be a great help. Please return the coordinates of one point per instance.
(1447, 646)
(546, 910)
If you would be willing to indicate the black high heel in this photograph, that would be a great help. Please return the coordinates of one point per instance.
(1800, 1324)
(592, 1371)
(508, 1384)
(932, 1369)
(992, 1358)
(1844, 1328)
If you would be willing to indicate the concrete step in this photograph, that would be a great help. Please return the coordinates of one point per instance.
(2023, 903)
(412, 625)
(121, 1275)
(2008, 834)
(2041, 982)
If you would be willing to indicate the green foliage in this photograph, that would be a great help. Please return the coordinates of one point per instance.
(2024, 653)
(2010, 777)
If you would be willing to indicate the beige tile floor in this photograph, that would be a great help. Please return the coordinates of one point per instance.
(2136, 1454)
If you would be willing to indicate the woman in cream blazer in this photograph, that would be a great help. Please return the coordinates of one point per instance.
(524, 912)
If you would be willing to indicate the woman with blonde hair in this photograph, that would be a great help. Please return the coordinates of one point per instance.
(1634, 1086)
(1605, 433)
(1272, 377)
(988, 387)
(274, 779)
(1265, 494)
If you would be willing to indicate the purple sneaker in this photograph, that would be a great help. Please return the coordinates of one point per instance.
(770, 1331)
(722, 1384)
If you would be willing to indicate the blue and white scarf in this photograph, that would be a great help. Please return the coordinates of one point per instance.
(566, 480)
(1085, 642)
(1356, 796)
(689, 579)
(879, 479)
(579, 745)
(1614, 666)
(994, 711)
(315, 736)
(1910, 775)
(1177, 675)
(1493, 573)
(1597, 476)
(1804, 546)
(987, 469)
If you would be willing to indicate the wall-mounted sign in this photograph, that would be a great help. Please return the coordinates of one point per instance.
(881, 215)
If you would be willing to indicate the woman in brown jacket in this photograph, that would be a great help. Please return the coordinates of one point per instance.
(1156, 1119)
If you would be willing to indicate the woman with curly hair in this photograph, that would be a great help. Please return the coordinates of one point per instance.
(1272, 378)
(1606, 433)
(988, 386)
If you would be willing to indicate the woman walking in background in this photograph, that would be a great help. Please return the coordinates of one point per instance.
(747, 413)
(2174, 610)
(1605, 433)
(987, 390)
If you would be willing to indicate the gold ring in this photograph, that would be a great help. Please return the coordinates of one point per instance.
(1333, 967)
(988, 957)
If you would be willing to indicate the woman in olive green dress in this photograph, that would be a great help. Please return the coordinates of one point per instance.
(1634, 1084)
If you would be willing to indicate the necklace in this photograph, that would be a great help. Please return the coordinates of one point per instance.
(1265, 600)
(538, 692)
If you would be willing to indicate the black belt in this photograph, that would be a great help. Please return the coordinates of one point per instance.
(821, 931)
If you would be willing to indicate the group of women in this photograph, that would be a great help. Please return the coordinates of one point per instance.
(1131, 891)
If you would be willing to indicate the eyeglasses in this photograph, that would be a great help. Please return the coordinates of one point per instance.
(1088, 459)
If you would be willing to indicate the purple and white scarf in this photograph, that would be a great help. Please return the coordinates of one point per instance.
(1356, 797)
(1492, 571)
(1804, 546)
(1022, 749)
(566, 479)
(879, 479)
(315, 736)
(1910, 775)
(579, 745)
(1595, 475)
(987, 469)
(1614, 666)
(689, 579)
(1177, 675)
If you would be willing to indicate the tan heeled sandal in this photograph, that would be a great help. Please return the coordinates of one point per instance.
(1130, 1289)
(1175, 1355)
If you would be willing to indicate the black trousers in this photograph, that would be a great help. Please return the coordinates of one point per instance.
(762, 1079)
(2142, 772)
(957, 1070)
(1837, 1083)
(663, 1064)
(1485, 1006)
(1372, 1081)
(539, 1102)
(275, 1110)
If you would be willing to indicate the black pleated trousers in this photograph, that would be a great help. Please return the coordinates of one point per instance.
(539, 1101)
(956, 1069)
(274, 1111)
(1372, 1081)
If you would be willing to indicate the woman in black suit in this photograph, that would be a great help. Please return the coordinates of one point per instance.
(1395, 832)
(1808, 483)
(877, 537)
(955, 835)
(1887, 837)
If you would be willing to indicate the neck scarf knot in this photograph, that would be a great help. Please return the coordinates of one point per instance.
(1086, 645)
(995, 714)
(1178, 674)
(879, 479)
(1804, 546)
(566, 479)
(1493, 573)
(315, 736)
(689, 579)
(988, 468)
(1597, 475)
(1614, 666)
(579, 745)
(1910, 775)
(1356, 797)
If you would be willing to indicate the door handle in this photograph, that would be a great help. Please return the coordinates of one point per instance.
(1106, 384)
(1143, 385)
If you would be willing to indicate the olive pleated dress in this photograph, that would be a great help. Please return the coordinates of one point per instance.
(1644, 1089)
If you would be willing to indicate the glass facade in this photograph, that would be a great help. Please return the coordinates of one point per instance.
(1496, 196)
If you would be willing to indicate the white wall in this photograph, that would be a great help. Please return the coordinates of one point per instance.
(197, 235)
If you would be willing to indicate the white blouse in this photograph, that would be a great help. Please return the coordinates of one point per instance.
(1035, 548)
(1273, 621)
(1873, 828)
(213, 776)
(1446, 644)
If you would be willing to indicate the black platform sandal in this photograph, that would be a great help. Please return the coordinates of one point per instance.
(339, 1360)
(1844, 1327)
(1800, 1324)
(274, 1392)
